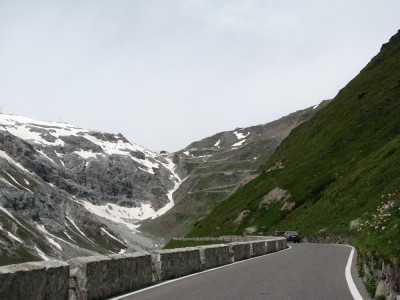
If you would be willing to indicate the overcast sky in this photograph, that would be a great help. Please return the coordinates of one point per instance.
(165, 73)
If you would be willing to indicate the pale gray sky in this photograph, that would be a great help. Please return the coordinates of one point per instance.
(165, 73)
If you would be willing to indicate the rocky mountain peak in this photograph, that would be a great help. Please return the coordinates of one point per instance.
(82, 189)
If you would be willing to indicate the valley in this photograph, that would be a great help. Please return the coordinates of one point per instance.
(329, 171)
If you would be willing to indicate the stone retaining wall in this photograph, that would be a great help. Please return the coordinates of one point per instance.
(281, 244)
(34, 280)
(227, 238)
(271, 246)
(258, 248)
(213, 256)
(240, 250)
(101, 277)
(385, 275)
(175, 263)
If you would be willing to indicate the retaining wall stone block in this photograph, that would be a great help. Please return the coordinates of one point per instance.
(213, 256)
(281, 244)
(271, 246)
(173, 263)
(133, 271)
(88, 277)
(259, 248)
(240, 250)
(99, 277)
(35, 280)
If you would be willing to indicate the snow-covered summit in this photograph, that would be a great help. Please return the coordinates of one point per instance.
(83, 186)
(54, 134)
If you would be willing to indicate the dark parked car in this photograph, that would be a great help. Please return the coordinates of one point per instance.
(292, 236)
(279, 233)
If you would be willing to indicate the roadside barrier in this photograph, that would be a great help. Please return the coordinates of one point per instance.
(104, 276)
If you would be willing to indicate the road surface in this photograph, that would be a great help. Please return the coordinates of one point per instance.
(306, 271)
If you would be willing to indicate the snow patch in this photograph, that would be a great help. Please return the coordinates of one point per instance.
(5, 181)
(41, 254)
(110, 235)
(10, 160)
(87, 154)
(203, 156)
(11, 216)
(217, 143)
(54, 243)
(42, 228)
(123, 148)
(129, 216)
(240, 135)
(25, 133)
(146, 170)
(14, 237)
(44, 155)
(17, 183)
(76, 227)
(61, 156)
(50, 236)
(238, 144)
(170, 166)
(68, 236)
(120, 214)
(24, 128)
(52, 185)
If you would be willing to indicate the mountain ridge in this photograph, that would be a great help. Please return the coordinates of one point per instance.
(66, 191)
(215, 166)
(336, 167)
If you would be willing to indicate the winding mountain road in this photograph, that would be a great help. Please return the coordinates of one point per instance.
(305, 271)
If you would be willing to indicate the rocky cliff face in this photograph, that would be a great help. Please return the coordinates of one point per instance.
(216, 166)
(66, 191)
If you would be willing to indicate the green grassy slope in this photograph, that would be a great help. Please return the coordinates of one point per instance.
(336, 166)
(214, 168)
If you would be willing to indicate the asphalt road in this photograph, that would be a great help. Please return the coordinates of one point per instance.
(306, 271)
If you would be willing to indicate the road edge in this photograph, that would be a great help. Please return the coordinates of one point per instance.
(350, 282)
(195, 274)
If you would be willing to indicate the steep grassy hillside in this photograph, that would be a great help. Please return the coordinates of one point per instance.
(214, 167)
(331, 173)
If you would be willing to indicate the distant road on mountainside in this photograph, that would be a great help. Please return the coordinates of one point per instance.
(306, 271)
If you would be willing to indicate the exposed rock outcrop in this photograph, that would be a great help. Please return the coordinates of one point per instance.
(66, 191)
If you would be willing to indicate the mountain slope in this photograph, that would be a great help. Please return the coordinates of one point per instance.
(66, 191)
(331, 171)
(215, 167)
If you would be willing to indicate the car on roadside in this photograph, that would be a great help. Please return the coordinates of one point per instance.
(279, 233)
(292, 236)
